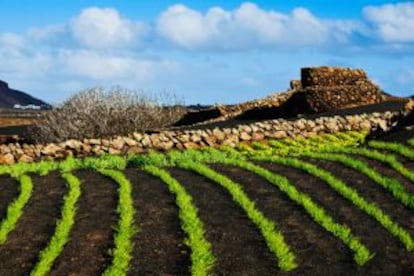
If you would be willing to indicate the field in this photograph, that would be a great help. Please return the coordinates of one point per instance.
(332, 204)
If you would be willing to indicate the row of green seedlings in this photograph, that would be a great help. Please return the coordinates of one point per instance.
(125, 228)
(398, 148)
(15, 209)
(360, 252)
(386, 158)
(395, 147)
(274, 238)
(390, 160)
(63, 226)
(331, 151)
(341, 188)
(202, 257)
(122, 253)
(62, 231)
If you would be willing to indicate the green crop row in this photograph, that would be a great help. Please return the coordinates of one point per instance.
(122, 253)
(15, 209)
(63, 227)
(274, 238)
(391, 184)
(333, 153)
(387, 159)
(361, 253)
(202, 257)
(338, 143)
(395, 147)
(348, 193)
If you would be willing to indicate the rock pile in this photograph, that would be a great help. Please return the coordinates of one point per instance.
(324, 89)
(188, 139)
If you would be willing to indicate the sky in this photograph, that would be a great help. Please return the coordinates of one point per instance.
(201, 51)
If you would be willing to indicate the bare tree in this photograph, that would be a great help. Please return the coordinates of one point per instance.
(96, 112)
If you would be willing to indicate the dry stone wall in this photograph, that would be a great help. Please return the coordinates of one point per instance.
(188, 139)
(331, 76)
(323, 89)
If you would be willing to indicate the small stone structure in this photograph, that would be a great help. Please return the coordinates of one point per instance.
(323, 89)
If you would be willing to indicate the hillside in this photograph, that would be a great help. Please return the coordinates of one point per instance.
(11, 97)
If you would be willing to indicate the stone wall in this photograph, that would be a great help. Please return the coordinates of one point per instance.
(325, 89)
(322, 99)
(187, 139)
(331, 76)
(295, 84)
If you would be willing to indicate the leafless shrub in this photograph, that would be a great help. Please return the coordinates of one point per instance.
(96, 113)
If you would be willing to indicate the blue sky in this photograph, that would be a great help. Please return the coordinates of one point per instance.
(202, 51)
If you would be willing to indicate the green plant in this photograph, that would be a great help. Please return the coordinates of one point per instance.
(391, 184)
(15, 209)
(361, 253)
(122, 254)
(395, 147)
(352, 195)
(202, 257)
(274, 238)
(63, 227)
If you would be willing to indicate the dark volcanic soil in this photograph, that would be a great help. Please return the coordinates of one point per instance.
(160, 241)
(92, 235)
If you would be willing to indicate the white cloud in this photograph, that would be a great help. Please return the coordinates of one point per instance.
(184, 26)
(104, 67)
(44, 33)
(18, 57)
(248, 26)
(104, 28)
(24, 64)
(392, 22)
(11, 40)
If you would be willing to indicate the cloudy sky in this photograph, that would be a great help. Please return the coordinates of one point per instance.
(202, 51)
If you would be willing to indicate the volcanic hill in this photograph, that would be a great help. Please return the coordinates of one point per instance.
(11, 97)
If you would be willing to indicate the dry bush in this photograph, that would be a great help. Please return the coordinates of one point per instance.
(95, 113)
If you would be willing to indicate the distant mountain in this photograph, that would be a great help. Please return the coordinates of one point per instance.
(10, 98)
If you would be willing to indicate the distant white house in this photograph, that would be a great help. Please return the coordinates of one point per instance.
(29, 106)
